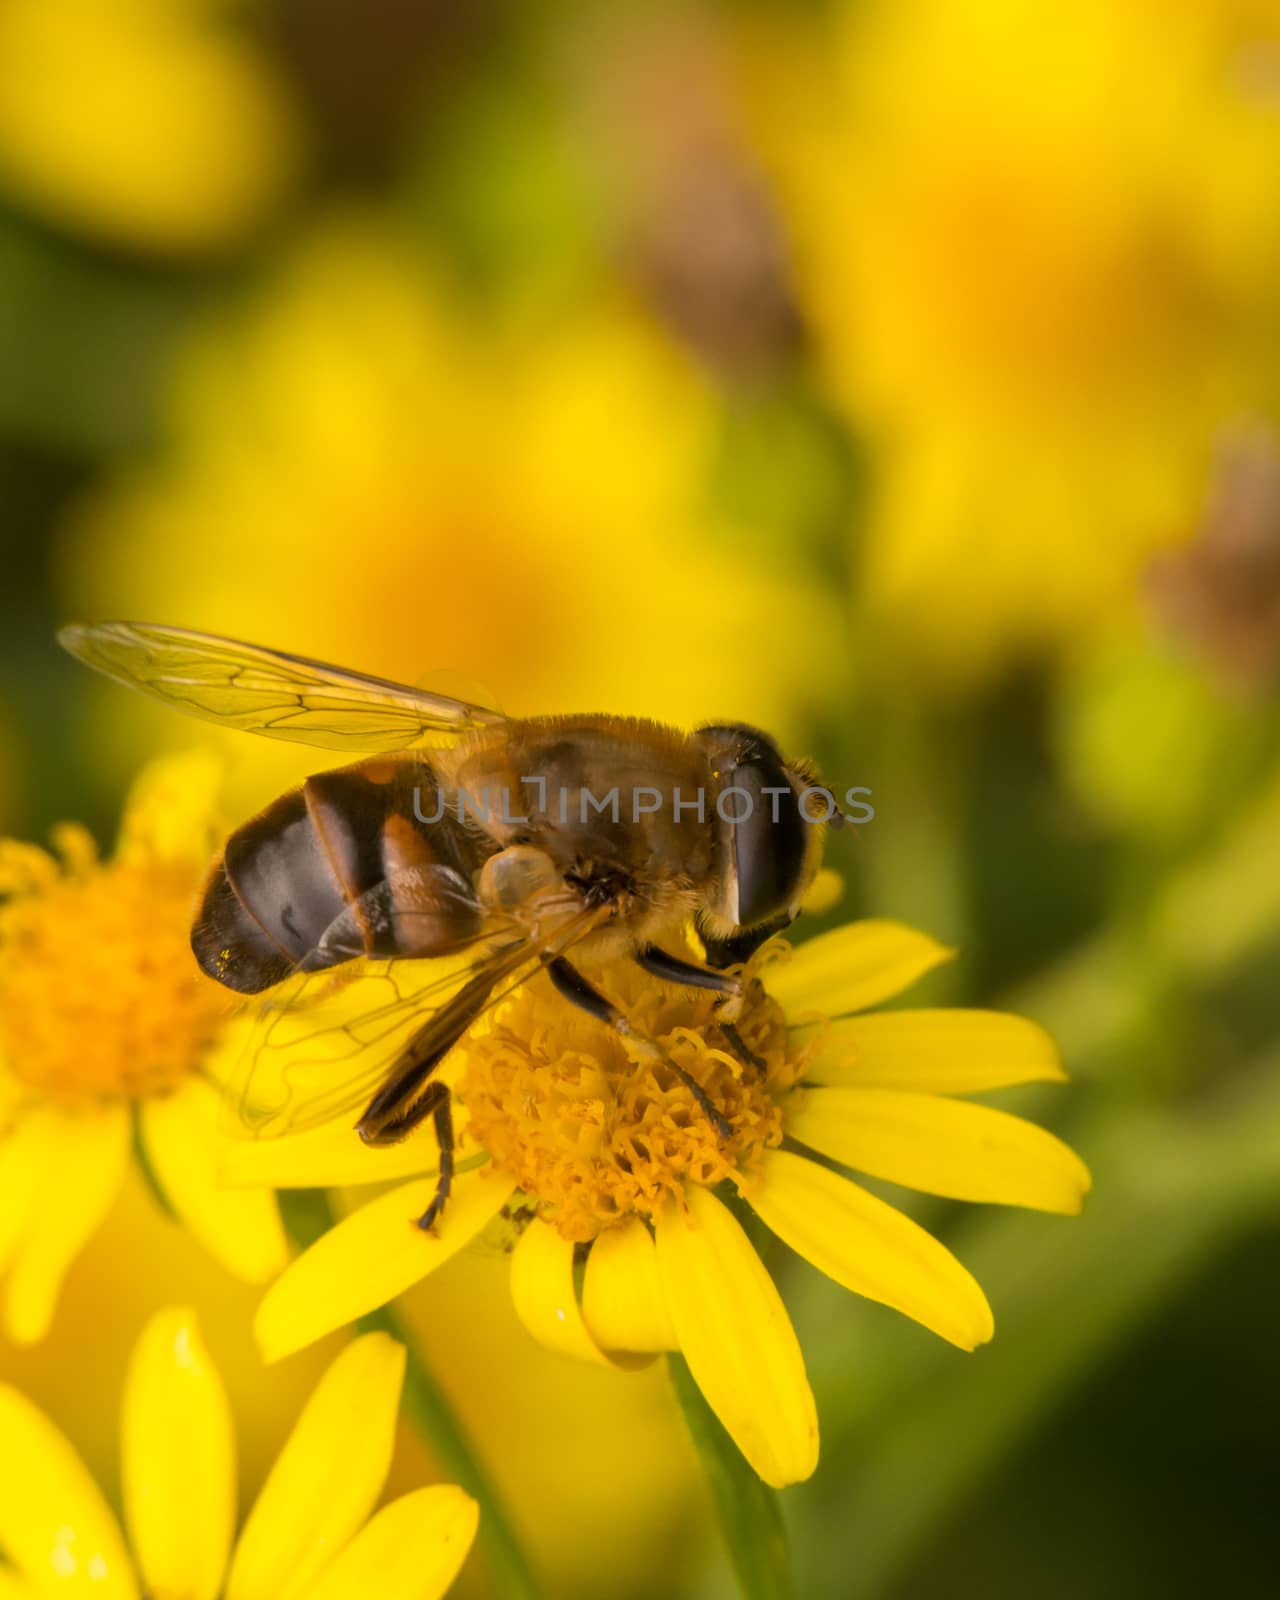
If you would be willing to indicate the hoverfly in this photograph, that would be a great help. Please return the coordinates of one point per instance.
(496, 847)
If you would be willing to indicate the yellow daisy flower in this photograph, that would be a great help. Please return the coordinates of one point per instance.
(611, 1167)
(1040, 261)
(107, 1026)
(438, 492)
(312, 1534)
(159, 127)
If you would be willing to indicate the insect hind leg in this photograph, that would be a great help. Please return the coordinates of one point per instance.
(390, 1115)
(575, 988)
(435, 1102)
(441, 1109)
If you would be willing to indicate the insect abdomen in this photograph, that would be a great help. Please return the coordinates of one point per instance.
(229, 944)
(268, 900)
(287, 875)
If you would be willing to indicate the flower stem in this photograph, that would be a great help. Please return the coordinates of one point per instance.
(750, 1514)
(307, 1215)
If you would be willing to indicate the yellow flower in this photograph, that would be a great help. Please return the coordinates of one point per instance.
(313, 1533)
(1040, 251)
(595, 1157)
(415, 490)
(105, 1021)
(151, 125)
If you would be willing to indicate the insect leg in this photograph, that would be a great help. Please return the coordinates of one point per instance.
(740, 1048)
(575, 988)
(742, 946)
(416, 1114)
(435, 1102)
(442, 1118)
(390, 1114)
(672, 969)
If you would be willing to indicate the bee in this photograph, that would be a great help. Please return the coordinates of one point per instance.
(471, 847)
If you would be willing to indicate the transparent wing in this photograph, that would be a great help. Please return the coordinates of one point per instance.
(325, 1043)
(269, 691)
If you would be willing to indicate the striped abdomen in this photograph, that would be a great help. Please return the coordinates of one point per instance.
(290, 873)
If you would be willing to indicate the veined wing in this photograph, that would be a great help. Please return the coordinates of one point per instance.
(270, 691)
(324, 1044)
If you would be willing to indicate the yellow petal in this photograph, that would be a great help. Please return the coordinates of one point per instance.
(824, 893)
(328, 1157)
(241, 1228)
(26, 1152)
(543, 1292)
(946, 1147)
(867, 1246)
(83, 1170)
(623, 1304)
(328, 1476)
(737, 1338)
(12, 1587)
(55, 1525)
(171, 812)
(179, 1461)
(412, 1550)
(852, 967)
(370, 1257)
(935, 1052)
(224, 1063)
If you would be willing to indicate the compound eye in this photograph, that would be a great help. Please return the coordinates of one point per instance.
(768, 855)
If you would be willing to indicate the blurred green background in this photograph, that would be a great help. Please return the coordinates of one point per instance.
(903, 377)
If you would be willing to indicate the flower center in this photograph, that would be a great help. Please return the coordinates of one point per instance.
(99, 995)
(593, 1137)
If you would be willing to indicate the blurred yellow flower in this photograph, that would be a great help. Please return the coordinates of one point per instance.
(620, 1437)
(104, 1019)
(152, 125)
(365, 471)
(595, 1154)
(1040, 250)
(312, 1535)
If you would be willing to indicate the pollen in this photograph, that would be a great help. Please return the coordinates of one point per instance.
(100, 998)
(593, 1136)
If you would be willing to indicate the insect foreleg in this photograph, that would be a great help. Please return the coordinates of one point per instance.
(673, 969)
(575, 988)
